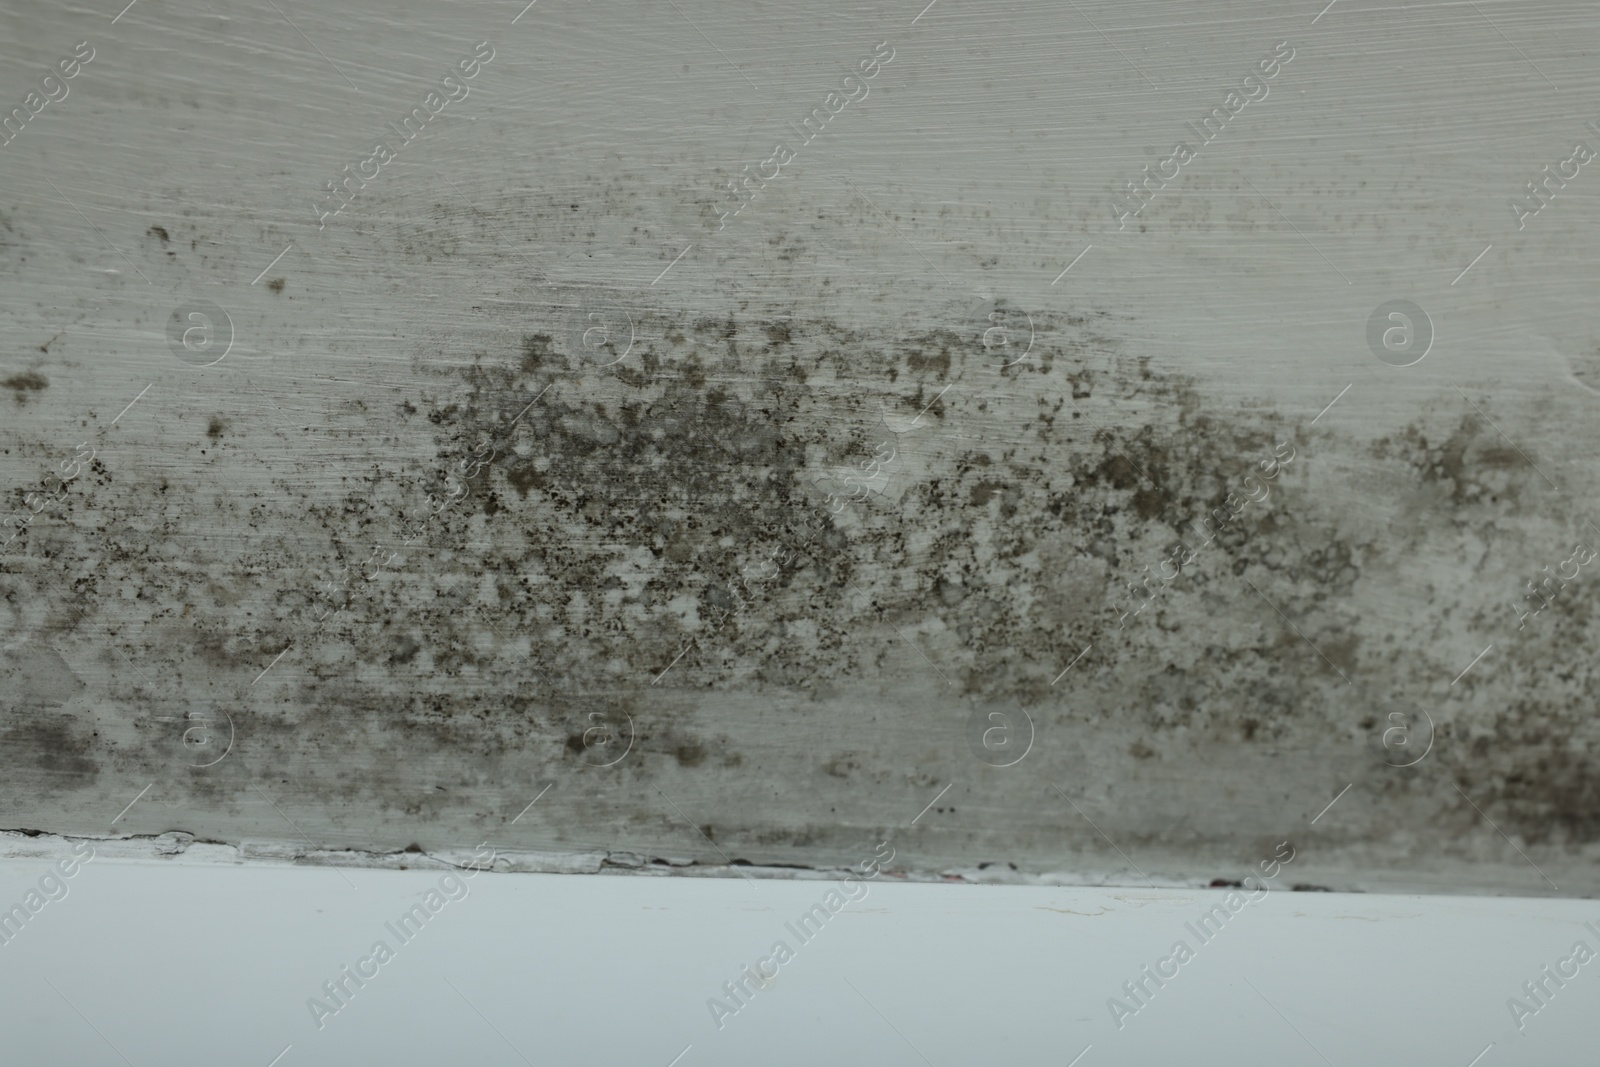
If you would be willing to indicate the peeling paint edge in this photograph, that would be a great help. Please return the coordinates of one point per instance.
(182, 847)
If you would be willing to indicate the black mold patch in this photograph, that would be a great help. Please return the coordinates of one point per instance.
(659, 518)
(1473, 464)
(619, 541)
(23, 384)
(44, 754)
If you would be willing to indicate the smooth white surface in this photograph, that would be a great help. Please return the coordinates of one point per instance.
(181, 963)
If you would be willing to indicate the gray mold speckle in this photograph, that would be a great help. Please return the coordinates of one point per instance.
(648, 553)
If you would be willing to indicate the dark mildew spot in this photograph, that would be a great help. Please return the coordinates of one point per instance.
(23, 384)
(44, 754)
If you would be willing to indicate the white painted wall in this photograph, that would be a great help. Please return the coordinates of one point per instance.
(185, 961)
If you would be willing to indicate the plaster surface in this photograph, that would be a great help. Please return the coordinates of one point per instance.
(886, 505)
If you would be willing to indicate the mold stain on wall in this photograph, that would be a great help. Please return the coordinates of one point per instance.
(604, 544)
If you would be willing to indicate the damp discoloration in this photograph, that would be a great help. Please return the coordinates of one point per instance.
(47, 753)
(24, 384)
(647, 554)
(424, 549)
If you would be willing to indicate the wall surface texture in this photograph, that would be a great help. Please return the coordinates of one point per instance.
(1088, 443)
